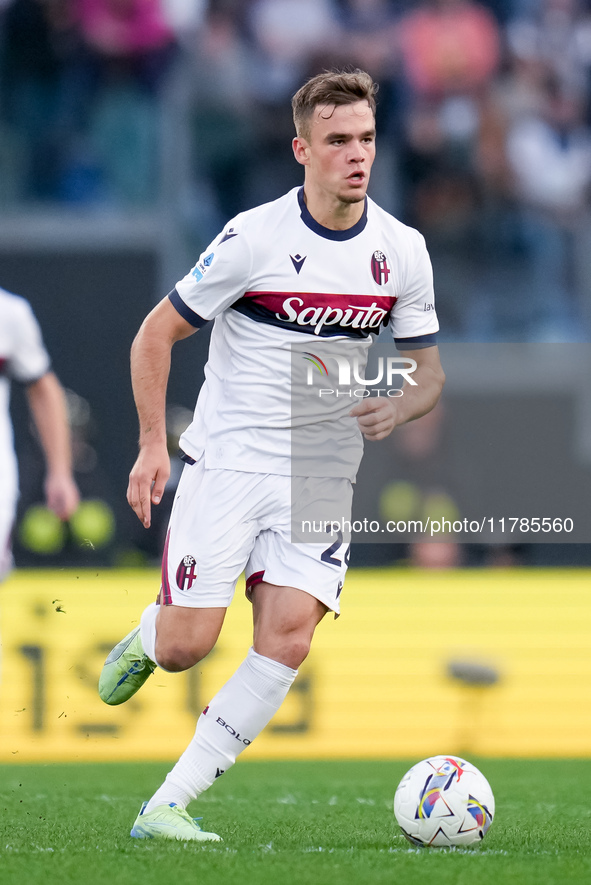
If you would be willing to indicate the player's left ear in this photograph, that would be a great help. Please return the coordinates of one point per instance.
(301, 150)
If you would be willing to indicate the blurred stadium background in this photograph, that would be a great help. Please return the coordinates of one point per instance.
(130, 131)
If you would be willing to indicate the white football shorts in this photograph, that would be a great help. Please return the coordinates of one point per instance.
(226, 522)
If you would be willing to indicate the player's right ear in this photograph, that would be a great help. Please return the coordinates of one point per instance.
(301, 150)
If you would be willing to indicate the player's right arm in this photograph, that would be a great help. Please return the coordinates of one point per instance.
(217, 280)
(150, 368)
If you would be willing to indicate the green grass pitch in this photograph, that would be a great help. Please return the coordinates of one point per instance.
(288, 823)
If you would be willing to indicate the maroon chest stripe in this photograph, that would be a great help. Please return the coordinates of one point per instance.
(318, 313)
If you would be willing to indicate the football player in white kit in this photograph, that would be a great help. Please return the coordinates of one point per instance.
(321, 265)
(23, 358)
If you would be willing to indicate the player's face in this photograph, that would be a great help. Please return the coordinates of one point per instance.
(340, 151)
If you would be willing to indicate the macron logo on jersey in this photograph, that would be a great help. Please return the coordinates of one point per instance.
(201, 266)
(298, 261)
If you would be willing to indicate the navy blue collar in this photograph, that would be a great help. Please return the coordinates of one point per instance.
(326, 232)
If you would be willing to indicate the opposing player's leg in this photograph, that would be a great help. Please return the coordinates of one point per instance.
(7, 511)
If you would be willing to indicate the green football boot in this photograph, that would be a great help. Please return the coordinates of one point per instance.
(126, 669)
(169, 822)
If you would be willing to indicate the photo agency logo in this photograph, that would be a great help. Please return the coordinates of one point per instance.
(349, 371)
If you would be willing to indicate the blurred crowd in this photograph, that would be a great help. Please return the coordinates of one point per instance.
(484, 127)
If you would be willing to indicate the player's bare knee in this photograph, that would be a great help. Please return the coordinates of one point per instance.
(291, 650)
(299, 650)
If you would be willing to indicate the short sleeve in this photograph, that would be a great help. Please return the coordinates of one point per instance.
(219, 278)
(28, 360)
(413, 315)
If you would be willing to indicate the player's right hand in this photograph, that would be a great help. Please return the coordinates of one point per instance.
(147, 480)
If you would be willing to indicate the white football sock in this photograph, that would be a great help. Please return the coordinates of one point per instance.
(235, 716)
(148, 630)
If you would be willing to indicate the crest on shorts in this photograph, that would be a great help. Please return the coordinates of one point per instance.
(186, 572)
(379, 267)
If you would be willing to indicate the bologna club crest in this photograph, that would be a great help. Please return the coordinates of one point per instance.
(185, 573)
(379, 268)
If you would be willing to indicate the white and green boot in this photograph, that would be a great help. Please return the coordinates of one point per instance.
(126, 669)
(169, 822)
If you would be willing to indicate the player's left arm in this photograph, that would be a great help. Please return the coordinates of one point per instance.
(377, 416)
(47, 404)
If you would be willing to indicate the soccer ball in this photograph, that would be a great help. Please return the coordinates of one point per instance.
(444, 801)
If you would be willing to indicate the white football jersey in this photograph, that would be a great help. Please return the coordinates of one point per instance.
(23, 358)
(283, 291)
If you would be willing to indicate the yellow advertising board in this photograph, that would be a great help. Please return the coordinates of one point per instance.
(474, 662)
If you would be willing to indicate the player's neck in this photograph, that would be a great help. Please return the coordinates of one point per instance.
(331, 212)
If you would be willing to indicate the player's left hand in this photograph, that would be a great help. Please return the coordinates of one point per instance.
(376, 417)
